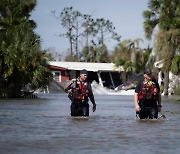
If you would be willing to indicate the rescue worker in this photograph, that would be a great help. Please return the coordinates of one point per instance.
(79, 92)
(147, 97)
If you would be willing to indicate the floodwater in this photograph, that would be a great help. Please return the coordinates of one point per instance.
(44, 126)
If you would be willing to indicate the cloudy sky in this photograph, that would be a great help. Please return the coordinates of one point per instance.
(126, 16)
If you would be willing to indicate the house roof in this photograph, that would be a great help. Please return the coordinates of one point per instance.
(56, 67)
(95, 67)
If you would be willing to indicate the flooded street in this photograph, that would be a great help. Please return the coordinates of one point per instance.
(44, 126)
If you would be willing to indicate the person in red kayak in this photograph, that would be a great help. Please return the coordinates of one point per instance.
(79, 92)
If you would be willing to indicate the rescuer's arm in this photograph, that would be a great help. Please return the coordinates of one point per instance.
(137, 90)
(69, 85)
(158, 97)
(137, 107)
(159, 102)
(91, 97)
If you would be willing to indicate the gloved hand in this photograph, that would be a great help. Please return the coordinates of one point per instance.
(94, 108)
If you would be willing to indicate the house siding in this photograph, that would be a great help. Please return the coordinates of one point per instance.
(63, 75)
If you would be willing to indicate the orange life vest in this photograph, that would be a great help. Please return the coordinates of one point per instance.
(148, 91)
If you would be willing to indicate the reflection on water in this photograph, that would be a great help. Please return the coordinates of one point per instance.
(44, 126)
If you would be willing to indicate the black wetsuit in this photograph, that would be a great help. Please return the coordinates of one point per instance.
(148, 107)
(79, 108)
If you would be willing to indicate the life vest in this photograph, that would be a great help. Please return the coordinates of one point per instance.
(80, 92)
(148, 91)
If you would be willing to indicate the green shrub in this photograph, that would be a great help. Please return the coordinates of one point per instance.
(177, 90)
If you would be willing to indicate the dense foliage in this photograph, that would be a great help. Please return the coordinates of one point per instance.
(165, 16)
(22, 63)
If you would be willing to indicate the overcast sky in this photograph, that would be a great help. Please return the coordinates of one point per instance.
(126, 16)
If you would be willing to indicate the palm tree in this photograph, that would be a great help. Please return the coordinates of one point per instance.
(122, 52)
(164, 14)
(142, 59)
(122, 57)
(134, 46)
(95, 54)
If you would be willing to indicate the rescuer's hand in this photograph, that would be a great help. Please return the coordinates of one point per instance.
(73, 80)
(159, 108)
(94, 108)
(137, 107)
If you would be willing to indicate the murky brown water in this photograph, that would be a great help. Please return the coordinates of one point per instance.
(44, 126)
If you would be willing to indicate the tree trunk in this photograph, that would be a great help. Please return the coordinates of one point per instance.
(166, 82)
(71, 47)
(123, 76)
(77, 35)
(71, 41)
(133, 56)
